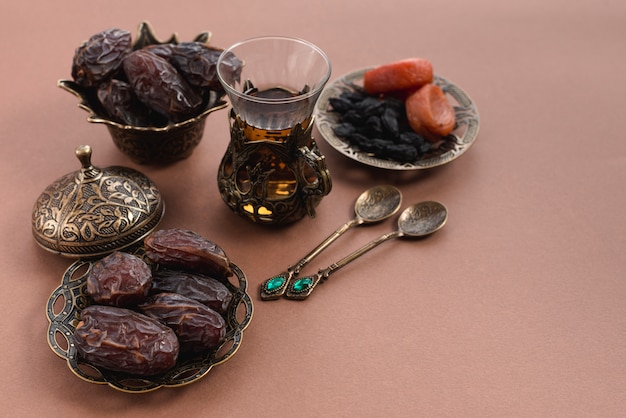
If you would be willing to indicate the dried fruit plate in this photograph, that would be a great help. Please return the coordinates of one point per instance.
(70, 298)
(448, 149)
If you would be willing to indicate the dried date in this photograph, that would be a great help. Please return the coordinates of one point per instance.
(198, 63)
(198, 327)
(119, 279)
(170, 82)
(230, 67)
(123, 340)
(162, 50)
(120, 104)
(160, 86)
(187, 250)
(201, 288)
(100, 56)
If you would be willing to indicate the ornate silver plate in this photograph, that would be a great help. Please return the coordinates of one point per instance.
(69, 299)
(448, 149)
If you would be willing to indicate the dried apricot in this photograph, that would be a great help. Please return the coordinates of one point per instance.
(428, 111)
(410, 73)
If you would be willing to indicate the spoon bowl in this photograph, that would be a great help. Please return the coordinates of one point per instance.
(377, 204)
(422, 219)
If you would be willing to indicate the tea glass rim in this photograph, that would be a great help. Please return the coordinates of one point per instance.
(265, 100)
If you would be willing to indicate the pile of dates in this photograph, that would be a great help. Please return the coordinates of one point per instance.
(377, 124)
(144, 317)
(148, 85)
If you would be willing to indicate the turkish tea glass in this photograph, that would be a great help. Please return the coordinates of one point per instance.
(272, 171)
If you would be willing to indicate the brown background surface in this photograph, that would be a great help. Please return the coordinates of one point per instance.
(516, 308)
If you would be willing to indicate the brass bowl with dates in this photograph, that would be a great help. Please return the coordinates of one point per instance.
(148, 133)
(69, 299)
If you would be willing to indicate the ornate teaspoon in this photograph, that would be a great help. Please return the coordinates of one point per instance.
(418, 220)
(373, 205)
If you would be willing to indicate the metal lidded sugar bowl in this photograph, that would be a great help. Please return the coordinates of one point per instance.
(92, 212)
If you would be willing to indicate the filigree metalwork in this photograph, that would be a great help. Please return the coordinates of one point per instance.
(274, 181)
(93, 212)
(448, 149)
(70, 298)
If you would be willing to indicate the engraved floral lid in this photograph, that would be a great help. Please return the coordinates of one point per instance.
(92, 212)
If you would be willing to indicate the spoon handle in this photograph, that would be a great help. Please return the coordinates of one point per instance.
(275, 286)
(303, 287)
(323, 245)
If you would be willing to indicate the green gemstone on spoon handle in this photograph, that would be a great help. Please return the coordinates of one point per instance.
(373, 205)
(417, 220)
(275, 284)
(301, 288)
(303, 284)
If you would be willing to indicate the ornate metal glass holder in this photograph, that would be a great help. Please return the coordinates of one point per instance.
(273, 181)
(272, 171)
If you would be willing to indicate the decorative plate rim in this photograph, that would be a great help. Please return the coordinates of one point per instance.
(62, 323)
(461, 138)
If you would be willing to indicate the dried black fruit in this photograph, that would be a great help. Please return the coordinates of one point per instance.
(366, 143)
(424, 147)
(374, 126)
(100, 57)
(354, 117)
(377, 125)
(369, 106)
(390, 121)
(402, 152)
(354, 96)
(340, 104)
(344, 129)
(394, 104)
